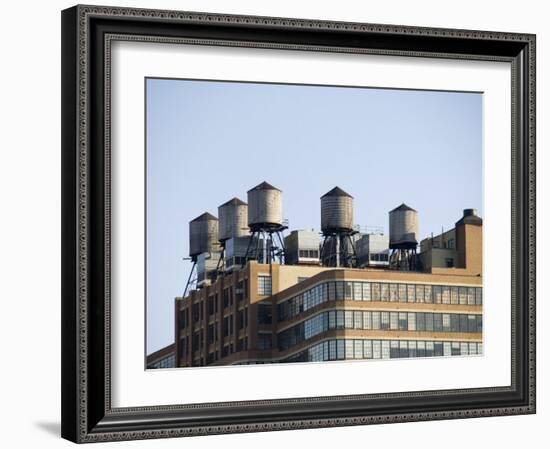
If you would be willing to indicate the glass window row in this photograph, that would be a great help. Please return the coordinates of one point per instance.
(376, 320)
(378, 291)
(167, 362)
(348, 349)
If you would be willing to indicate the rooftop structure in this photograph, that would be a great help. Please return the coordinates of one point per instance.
(297, 311)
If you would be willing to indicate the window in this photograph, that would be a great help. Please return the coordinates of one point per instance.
(331, 291)
(348, 291)
(471, 296)
(340, 349)
(454, 295)
(385, 349)
(332, 319)
(242, 319)
(376, 349)
(420, 322)
(332, 350)
(455, 348)
(349, 319)
(412, 349)
(429, 317)
(339, 319)
(242, 344)
(463, 295)
(402, 293)
(438, 322)
(358, 319)
(211, 305)
(428, 294)
(411, 289)
(403, 326)
(403, 349)
(436, 294)
(429, 349)
(376, 320)
(211, 333)
(455, 322)
(375, 291)
(479, 321)
(463, 323)
(264, 341)
(446, 320)
(339, 291)
(411, 321)
(358, 291)
(394, 321)
(394, 296)
(196, 341)
(366, 291)
(419, 293)
(226, 294)
(367, 349)
(265, 314)
(384, 320)
(182, 319)
(367, 320)
(472, 325)
(264, 285)
(226, 321)
(479, 299)
(349, 349)
(446, 295)
(384, 292)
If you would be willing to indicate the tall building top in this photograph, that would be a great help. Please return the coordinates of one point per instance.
(470, 217)
(264, 186)
(337, 191)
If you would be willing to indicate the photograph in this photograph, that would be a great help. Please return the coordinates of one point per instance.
(290, 221)
(311, 223)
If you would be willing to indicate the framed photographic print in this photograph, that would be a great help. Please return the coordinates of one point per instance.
(284, 223)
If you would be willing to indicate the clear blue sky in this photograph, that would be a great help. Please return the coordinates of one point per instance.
(210, 141)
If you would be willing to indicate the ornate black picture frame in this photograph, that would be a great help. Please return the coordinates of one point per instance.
(87, 413)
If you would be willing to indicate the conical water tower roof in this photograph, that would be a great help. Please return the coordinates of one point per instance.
(337, 191)
(403, 206)
(204, 217)
(234, 202)
(264, 186)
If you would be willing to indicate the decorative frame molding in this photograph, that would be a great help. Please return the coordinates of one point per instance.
(87, 33)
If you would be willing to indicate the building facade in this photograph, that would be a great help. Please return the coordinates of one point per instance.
(276, 313)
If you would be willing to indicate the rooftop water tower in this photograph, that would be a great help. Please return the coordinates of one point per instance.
(233, 219)
(338, 248)
(203, 235)
(203, 238)
(265, 220)
(233, 225)
(403, 237)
